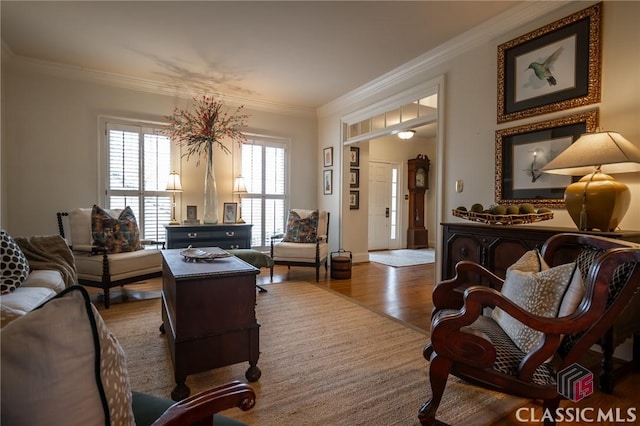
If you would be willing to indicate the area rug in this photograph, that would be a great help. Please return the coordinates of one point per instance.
(324, 359)
(403, 257)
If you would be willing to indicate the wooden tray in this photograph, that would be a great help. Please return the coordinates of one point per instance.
(503, 219)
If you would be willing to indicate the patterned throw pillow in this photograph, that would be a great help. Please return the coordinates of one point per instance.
(15, 268)
(65, 348)
(302, 229)
(537, 292)
(117, 235)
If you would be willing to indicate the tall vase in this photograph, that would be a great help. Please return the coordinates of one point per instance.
(210, 191)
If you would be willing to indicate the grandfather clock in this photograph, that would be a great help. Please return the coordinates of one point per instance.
(417, 234)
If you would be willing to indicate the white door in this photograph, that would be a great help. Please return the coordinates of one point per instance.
(383, 206)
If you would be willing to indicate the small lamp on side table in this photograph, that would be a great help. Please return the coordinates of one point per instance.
(174, 185)
(597, 201)
(239, 188)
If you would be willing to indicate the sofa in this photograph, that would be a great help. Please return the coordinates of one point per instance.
(61, 365)
(34, 270)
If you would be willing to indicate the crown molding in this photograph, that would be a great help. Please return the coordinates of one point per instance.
(143, 85)
(486, 32)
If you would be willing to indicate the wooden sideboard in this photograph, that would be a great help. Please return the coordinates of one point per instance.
(225, 236)
(496, 247)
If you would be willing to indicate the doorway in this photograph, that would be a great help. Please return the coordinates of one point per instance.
(384, 205)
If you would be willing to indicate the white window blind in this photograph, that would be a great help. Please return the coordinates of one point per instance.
(138, 165)
(264, 168)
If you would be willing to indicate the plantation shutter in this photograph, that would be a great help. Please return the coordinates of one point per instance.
(138, 164)
(264, 171)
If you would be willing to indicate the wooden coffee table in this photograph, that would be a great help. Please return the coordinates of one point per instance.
(208, 315)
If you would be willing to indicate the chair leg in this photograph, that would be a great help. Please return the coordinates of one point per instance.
(438, 374)
(606, 370)
(317, 272)
(107, 297)
(271, 274)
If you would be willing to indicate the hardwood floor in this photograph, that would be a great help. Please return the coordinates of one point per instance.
(405, 293)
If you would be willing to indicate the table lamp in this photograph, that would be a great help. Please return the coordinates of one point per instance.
(597, 201)
(174, 185)
(239, 188)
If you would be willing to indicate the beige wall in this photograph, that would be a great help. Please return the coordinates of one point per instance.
(469, 118)
(50, 146)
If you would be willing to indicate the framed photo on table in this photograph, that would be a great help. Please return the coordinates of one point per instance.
(553, 68)
(230, 213)
(521, 153)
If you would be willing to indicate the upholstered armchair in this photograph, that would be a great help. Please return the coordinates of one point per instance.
(515, 335)
(106, 262)
(305, 242)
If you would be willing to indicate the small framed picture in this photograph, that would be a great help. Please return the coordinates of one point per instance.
(354, 178)
(192, 212)
(230, 213)
(354, 159)
(328, 182)
(354, 200)
(328, 157)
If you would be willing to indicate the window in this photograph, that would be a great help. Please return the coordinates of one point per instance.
(137, 167)
(264, 172)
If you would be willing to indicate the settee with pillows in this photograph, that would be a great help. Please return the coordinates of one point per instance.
(107, 247)
(34, 269)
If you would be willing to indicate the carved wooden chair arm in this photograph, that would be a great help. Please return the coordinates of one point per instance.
(448, 294)
(202, 406)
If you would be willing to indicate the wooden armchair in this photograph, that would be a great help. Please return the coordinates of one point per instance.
(97, 267)
(469, 342)
(306, 242)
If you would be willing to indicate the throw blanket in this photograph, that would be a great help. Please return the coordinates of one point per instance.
(49, 252)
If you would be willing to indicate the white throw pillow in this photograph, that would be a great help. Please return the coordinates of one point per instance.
(61, 365)
(539, 293)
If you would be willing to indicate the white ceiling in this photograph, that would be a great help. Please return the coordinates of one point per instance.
(295, 53)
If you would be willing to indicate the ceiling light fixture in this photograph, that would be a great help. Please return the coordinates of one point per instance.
(406, 134)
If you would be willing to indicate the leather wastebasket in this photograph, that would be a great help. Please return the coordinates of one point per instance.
(341, 264)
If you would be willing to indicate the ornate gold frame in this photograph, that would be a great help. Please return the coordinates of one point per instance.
(506, 139)
(585, 25)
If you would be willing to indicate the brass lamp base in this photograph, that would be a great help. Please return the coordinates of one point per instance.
(597, 202)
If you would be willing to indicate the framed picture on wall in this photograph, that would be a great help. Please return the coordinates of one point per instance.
(328, 182)
(553, 68)
(354, 200)
(354, 159)
(328, 156)
(354, 178)
(521, 153)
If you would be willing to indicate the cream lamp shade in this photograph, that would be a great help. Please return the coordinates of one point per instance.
(239, 188)
(597, 201)
(174, 185)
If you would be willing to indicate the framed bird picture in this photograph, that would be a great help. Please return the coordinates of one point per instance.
(522, 152)
(553, 68)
